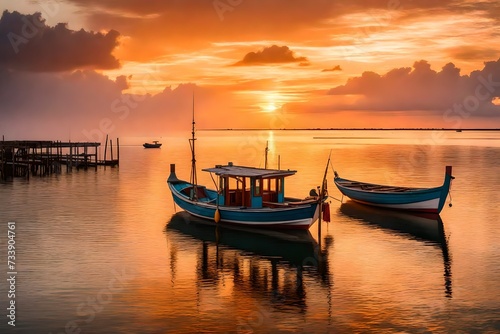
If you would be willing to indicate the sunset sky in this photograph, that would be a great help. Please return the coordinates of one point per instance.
(80, 68)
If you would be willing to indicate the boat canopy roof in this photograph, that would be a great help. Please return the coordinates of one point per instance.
(234, 171)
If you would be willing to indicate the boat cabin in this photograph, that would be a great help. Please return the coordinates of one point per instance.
(250, 187)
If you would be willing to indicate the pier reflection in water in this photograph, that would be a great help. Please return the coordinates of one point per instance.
(426, 228)
(264, 264)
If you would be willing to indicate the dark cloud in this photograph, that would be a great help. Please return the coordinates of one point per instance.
(27, 43)
(87, 105)
(84, 104)
(421, 88)
(52, 96)
(271, 55)
(333, 69)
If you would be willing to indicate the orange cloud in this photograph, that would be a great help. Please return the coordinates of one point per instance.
(156, 28)
(473, 52)
(333, 69)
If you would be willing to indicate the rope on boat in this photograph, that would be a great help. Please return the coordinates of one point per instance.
(339, 200)
(449, 193)
(215, 183)
(217, 212)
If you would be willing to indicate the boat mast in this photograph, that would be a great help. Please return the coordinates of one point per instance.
(193, 179)
(266, 151)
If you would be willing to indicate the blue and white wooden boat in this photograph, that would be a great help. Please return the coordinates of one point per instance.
(401, 198)
(246, 196)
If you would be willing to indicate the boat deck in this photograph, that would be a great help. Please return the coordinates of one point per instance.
(374, 187)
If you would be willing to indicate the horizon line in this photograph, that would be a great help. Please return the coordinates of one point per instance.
(348, 129)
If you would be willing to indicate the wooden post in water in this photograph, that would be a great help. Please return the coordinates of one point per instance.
(13, 162)
(27, 167)
(77, 158)
(50, 162)
(95, 156)
(59, 157)
(111, 148)
(105, 149)
(1, 165)
(118, 151)
(31, 159)
(85, 157)
(70, 156)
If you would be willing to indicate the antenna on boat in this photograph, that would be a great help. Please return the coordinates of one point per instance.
(266, 151)
(193, 179)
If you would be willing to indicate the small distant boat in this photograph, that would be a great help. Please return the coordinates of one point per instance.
(429, 200)
(154, 144)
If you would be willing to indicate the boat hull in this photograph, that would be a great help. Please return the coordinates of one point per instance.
(300, 216)
(430, 200)
(151, 145)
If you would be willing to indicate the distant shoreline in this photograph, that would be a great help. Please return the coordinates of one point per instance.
(351, 129)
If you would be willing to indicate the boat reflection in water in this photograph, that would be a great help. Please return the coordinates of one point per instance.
(425, 227)
(267, 262)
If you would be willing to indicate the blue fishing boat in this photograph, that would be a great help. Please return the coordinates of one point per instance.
(430, 200)
(245, 196)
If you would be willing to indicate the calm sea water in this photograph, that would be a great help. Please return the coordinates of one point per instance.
(105, 251)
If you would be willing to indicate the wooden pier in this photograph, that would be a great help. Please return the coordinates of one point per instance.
(22, 158)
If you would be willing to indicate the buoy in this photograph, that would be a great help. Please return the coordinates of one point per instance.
(217, 215)
(326, 212)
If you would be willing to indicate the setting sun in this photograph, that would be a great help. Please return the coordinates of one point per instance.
(270, 107)
(272, 102)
